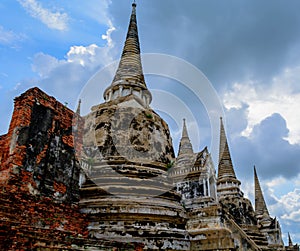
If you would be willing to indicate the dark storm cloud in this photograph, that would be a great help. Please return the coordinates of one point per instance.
(268, 150)
(228, 40)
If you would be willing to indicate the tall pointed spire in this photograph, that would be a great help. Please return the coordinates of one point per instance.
(290, 240)
(260, 204)
(227, 183)
(184, 130)
(185, 146)
(129, 77)
(78, 107)
(225, 169)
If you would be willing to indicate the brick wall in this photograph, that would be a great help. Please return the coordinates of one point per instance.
(39, 176)
(40, 140)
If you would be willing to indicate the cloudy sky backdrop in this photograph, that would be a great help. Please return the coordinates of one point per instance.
(249, 50)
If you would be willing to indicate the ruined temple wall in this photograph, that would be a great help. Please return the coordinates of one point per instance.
(36, 156)
(40, 141)
(39, 179)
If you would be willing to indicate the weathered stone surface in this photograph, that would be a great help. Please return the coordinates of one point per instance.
(119, 162)
(127, 130)
(129, 78)
(127, 193)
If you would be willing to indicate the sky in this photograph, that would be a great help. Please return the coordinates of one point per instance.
(248, 50)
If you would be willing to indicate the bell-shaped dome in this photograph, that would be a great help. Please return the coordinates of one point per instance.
(125, 129)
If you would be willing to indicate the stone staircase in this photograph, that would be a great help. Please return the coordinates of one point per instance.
(258, 237)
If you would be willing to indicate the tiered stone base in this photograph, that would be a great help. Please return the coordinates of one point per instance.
(132, 203)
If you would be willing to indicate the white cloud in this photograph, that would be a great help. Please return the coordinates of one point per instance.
(90, 56)
(273, 184)
(107, 36)
(78, 66)
(80, 62)
(43, 64)
(6, 37)
(9, 37)
(78, 57)
(286, 206)
(54, 20)
(289, 204)
(297, 180)
(99, 11)
(17, 86)
(82, 54)
(281, 96)
(94, 9)
(293, 216)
